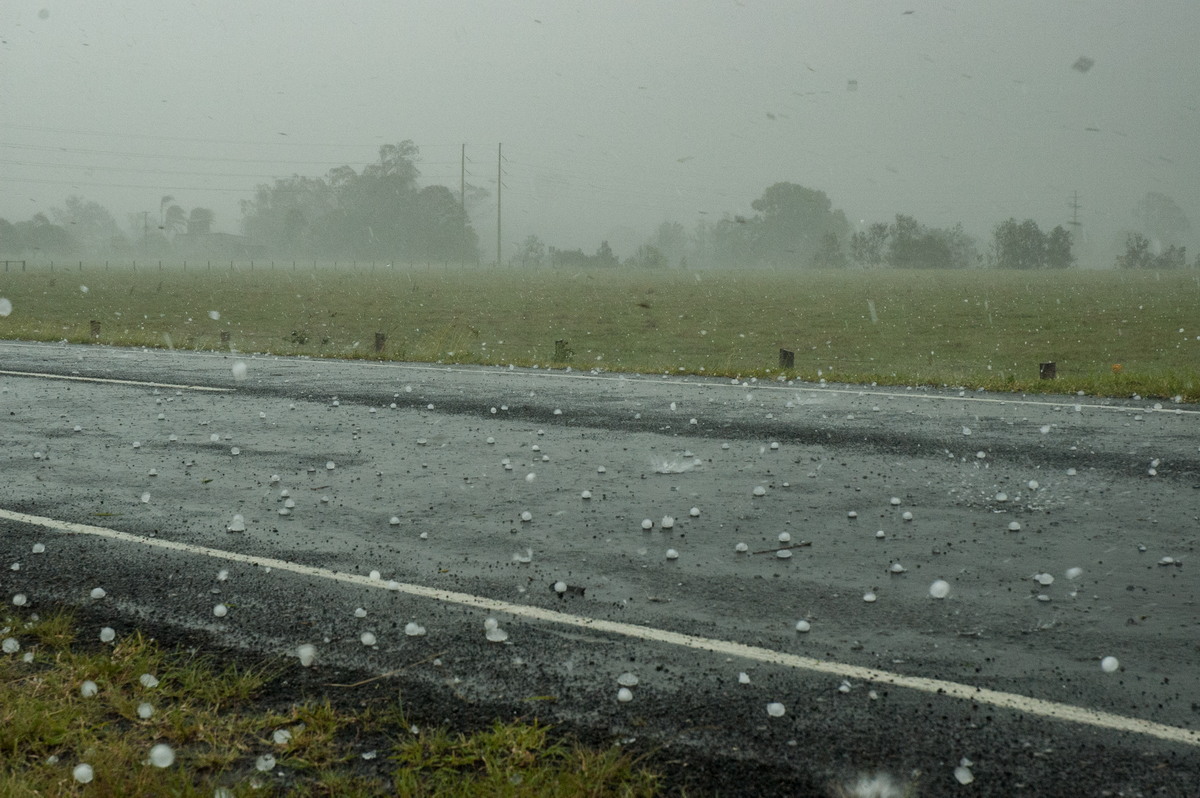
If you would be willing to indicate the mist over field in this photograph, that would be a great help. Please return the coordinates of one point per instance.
(924, 135)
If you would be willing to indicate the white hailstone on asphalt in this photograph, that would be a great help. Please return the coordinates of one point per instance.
(222, 575)
(137, 444)
(496, 635)
(19, 600)
(359, 612)
(98, 593)
(88, 689)
(235, 451)
(15, 566)
(10, 645)
(743, 678)
(330, 465)
(281, 736)
(220, 610)
(647, 523)
(1071, 472)
(672, 554)
(881, 534)
(307, 652)
(981, 455)
(1033, 484)
(1001, 496)
(784, 537)
(784, 554)
(907, 516)
(1074, 573)
(394, 520)
(1045, 429)
(693, 422)
(852, 514)
(148, 680)
(162, 416)
(239, 370)
(264, 763)
(741, 548)
(83, 772)
(587, 494)
(108, 634)
(413, 629)
(966, 430)
(422, 441)
(694, 512)
(895, 501)
(530, 477)
(172, 438)
(490, 439)
(1109, 664)
(774, 444)
(367, 639)
(375, 575)
(145, 710)
(78, 428)
(214, 438)
(963, 775)
(526, 557)
(1043, 579)
(557, 412)
(1167, 561)
(627, 679)
(39, 548)
(601, 469)
(325, 500)
(424, 536)
(146, 497)
(897, 568)
(759, 490)
(153, 472)
(939, 589)
(844, 687)
(803, 626)
(1014, 526)
(775, 709)
(869, 597)
(560, 587)
(526, 516)
(1042, 597)
(162, 756)
(624, 695)
(668, 522)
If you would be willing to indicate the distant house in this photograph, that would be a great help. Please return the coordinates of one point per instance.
(217, 246)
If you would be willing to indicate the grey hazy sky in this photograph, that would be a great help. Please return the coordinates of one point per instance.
(614, 116)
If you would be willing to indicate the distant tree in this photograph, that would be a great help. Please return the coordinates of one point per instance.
(1137, 253)
(604, 255)
(1058, 249)
(40, 236)
(829, 254)
(174, 220)
(8, 238)
(671, 240)
(90, 224)
(869, 247)
(912, 245)
(532, 251)
(1018, 245)
(648, 257)
(441, 230)
(1161, 220)
(792, 223)
(200, 221)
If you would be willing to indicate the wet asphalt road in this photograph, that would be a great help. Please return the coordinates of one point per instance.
(433, 467)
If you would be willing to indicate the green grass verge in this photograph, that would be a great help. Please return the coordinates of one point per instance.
(218, 722)
(1114, 333)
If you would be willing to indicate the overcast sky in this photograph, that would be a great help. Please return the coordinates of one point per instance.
(614, 116)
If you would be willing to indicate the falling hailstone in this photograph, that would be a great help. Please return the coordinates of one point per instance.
(162, 756)
(775, 709)
(939, 589)
(1109, 664)
(239, 370)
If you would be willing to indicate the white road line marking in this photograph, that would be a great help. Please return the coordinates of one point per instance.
(113, 381)
(1033, 706)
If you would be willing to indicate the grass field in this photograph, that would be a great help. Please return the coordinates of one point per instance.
(1108, 332)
